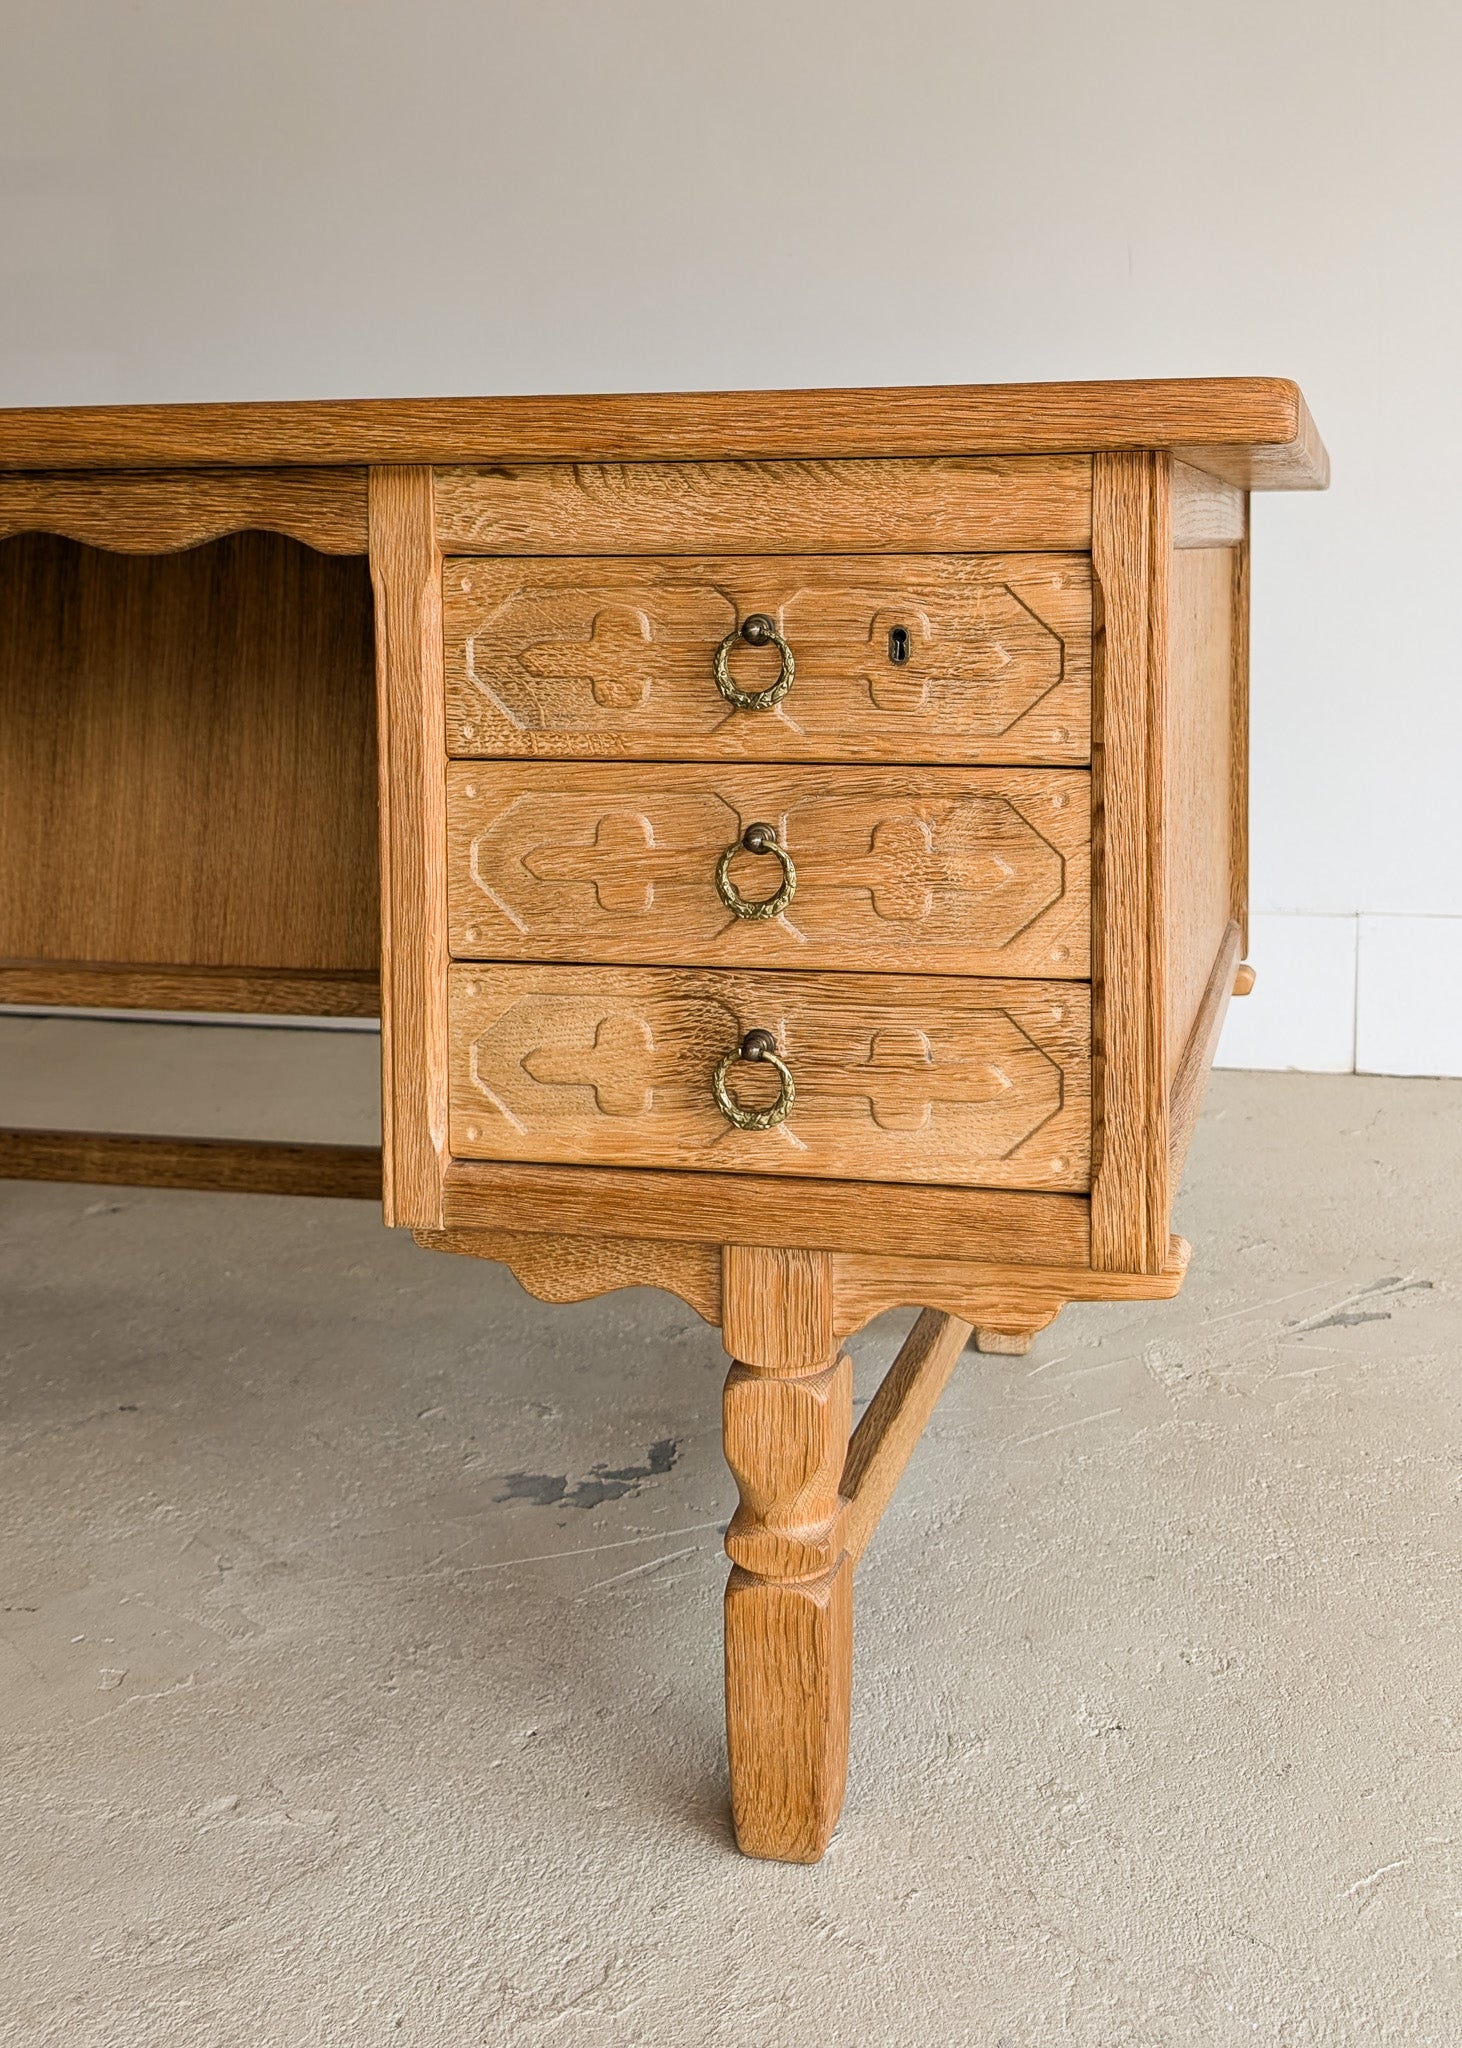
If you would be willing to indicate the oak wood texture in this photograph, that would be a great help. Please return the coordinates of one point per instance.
(406, 574)
(954, 871)
(207, 1165)
(612, 657)
(893, 1422)
(187, 757)
(257, 991)
(992, 504)
(710, 1208)
(158, 511)
(788, 1617)
(1239, 778)
(564, 1267)
(1256, 431)
(558, 1268)
(928, 1079)
(1191, 1075)
(1131, 556)
(1197, 792)
(1206, 511)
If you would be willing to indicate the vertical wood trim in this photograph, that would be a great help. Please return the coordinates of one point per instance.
(406, 570)
(1239, 783)
(1131, 551)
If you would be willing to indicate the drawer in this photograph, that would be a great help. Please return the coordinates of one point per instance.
(934, 658)
(891, 870)
(965, 1083)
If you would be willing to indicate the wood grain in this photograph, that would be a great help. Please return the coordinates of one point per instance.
(215, 1165)
(990, 504)
(613, 657)
(786, 1416)
(1206, 511)
(1191, 1076)
(406, 573)
(1131, 553)
(558, 1268)
(1239, 784)
(991, 1294)
(713, 1208)
(187, 757)
(1197, 792)
(158, 511)
(893, 1422)
(929, 1079)
(956, 871)
(777, 1313)
(260, 992)
(1256, 431)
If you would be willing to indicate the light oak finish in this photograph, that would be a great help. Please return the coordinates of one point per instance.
(999, 1006)
(187, 757)
(964, 1083)
(951, 871)
(835, 1215)
(159, 511)
(1244, 979)
(789, 1609)
(256, 991)
(1131, 556)
(558, 1268)
(1198, 776)
(1255, 431)
(1191, 1076)
(406, 569)
(239, 1166)
(613, 657)
(893, 1422)
(991, 505)
(1206, 511)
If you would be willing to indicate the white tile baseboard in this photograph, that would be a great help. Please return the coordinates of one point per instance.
(1301, 1015)
(1409, 1007)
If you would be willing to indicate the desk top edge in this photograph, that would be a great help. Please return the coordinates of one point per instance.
(1255, 431)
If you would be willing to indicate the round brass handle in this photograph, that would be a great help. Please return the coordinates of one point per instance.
(756, 1046)
(757, 631)
(756, 839)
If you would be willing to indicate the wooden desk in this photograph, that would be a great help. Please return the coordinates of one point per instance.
(811, 838)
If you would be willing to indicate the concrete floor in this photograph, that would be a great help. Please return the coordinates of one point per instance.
(359, 1645)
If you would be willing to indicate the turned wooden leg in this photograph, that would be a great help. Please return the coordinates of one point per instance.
(789, 1600)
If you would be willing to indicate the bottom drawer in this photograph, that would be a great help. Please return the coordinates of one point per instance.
(969, 1083)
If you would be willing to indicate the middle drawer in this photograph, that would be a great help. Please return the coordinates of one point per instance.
(952, 870)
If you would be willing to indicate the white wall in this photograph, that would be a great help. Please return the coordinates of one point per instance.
(293, 198)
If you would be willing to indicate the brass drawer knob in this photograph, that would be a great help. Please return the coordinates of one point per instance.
(756, 839)
(756, 631)
(756, 1046)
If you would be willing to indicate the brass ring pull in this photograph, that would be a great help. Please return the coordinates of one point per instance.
(756, 839)
(757, 631)
(757, 1045)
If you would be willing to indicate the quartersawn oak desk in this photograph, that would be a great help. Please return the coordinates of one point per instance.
(811, 840)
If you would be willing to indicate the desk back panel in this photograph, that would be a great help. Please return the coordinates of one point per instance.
(187, 760)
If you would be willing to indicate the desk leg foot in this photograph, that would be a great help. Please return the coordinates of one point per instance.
(789, 1600)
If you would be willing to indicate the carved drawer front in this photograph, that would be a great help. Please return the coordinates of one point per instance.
(968, 1083)
(961, 871)
(923, 658)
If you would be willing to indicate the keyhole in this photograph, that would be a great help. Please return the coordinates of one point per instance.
(898, 645)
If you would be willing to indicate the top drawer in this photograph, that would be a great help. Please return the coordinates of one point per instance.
(935, 658)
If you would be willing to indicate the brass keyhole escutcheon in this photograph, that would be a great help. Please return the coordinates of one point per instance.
(757, 631)
(755, 1047)
(898, 645)
(759, 839)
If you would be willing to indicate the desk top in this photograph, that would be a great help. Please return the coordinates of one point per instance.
(1255, 431)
